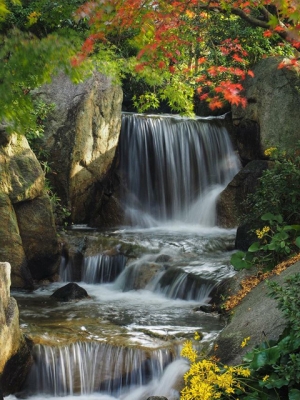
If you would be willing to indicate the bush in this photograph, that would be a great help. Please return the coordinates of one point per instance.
(270, 371)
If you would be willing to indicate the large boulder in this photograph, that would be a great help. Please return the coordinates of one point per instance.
(272, 113)
(71, 291)
(27, 231)
(81, 136)
(37, 229)
(15, 357)
(257, 317)
(231, 206)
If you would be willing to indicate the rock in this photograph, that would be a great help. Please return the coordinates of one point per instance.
(15, 359)
(22, 177)
(22, 182)
(273, 103)
(231, 205)
(157, 398)
(245, 235)
(144, 274)
(70, 292)
(163, 258)
(37, 229)
(256, 316)
(11, 246)
(81, 136)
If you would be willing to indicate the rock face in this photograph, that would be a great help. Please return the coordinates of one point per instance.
(230, 204)
(270, 119)
(27, 233)
(15, 355)
(81, 136)
(272, 112)
(256, 316)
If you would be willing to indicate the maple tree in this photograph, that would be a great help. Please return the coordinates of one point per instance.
(178, 48)
(160, 51)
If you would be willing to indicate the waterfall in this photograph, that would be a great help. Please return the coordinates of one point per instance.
(87, 367)
(102, 268)
(173, 168)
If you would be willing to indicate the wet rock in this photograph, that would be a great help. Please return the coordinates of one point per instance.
(162, 258)
(157, 398)
(70, 292)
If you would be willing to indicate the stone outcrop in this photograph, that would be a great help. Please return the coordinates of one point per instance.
(81, 136)
(272, 116)
(15, 357)
(27, 232)
(231, 202)
(257, 317)
(270, 119)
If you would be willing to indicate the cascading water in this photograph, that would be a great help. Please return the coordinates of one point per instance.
(83, 368)
(174, 168)
(123, 341)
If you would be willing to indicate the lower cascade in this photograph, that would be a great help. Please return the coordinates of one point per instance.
(84, 368)
(123, 341)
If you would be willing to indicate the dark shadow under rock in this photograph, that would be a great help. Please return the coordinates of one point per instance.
(70, 292)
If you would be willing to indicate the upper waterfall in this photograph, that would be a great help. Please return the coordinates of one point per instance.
(173, 168)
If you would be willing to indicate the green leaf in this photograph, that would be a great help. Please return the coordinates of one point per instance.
(265, 357)
(268, 217)
(294, 394)
(297, 241)
(238, 260)
(291, 227)
(271, 246)
(254, 247)
(272, 217)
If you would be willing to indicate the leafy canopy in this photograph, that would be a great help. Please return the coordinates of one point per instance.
(181, 47)
(35, 44)
(161, 51)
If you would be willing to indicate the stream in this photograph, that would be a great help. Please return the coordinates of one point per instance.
(124, 340)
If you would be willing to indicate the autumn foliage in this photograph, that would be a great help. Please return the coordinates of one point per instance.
(174, 41)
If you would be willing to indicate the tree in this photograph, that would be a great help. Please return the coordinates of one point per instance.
(37, 40)
(181, 47)
(160, 50)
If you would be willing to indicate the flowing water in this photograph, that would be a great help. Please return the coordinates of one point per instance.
(124, 340)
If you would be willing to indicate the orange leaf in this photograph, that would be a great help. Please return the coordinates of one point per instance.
(268, 33)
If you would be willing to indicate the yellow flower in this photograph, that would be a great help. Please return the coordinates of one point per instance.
(268, 152)
(188, 351)
(261, 233)
(245, 341)
(197, 336)
(265, 378)
(33, 17)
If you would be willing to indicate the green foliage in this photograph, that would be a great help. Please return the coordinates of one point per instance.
(269, 371)
(276, 242)
(40, 112)
(42, 17)
(28, 62)
(276, 364)
(279, 188)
